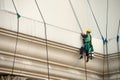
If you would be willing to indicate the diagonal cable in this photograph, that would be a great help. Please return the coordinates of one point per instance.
(107, 56)
(95, 19)
(82, 32)
(75, 15)
(117, 39)
(16, 43)
(104, 41)
(46, 40)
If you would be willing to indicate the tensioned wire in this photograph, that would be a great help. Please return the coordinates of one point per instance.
(117, 40)
(104, 41)
(16, 43)
(18, 16)
(107, 56)
(81, 31)
(46, 40)
(75, 16)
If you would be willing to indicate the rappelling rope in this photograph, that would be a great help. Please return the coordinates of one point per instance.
(107, 56)
(46, 40)
(117, 40)
(16, 43)
(103, 39)
(82, 32)
(75, 16)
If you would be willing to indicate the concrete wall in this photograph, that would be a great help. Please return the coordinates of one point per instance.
(64, 62)
(64, 39)
(30, 59)
(61, 20)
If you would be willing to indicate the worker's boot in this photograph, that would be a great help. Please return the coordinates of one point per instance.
(81, 56)
(87, 59)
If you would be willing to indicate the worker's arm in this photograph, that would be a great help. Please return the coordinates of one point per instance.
(83, 35)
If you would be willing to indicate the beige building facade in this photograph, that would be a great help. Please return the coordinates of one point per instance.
(25, 54)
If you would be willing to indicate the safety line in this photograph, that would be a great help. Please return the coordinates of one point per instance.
(103, 61)
(15, 6)
(94, 18)
(103, 39)
(51, 25)
(75, 16)
(96, 22)
(106, 20)
(107, 56)
(82, 32)
(117, 39)
(118, 29)
(16, 43)
(85, 66)
(46, 40)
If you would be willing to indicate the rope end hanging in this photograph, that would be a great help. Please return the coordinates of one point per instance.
(18, 15)
(117, 38)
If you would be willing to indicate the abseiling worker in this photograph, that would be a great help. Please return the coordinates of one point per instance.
(87, 45)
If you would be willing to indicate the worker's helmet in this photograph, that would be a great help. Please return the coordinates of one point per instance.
(88, 30)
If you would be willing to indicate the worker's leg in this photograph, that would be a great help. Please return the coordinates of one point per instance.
(81, 52)
(87, 55)
(91, 52)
